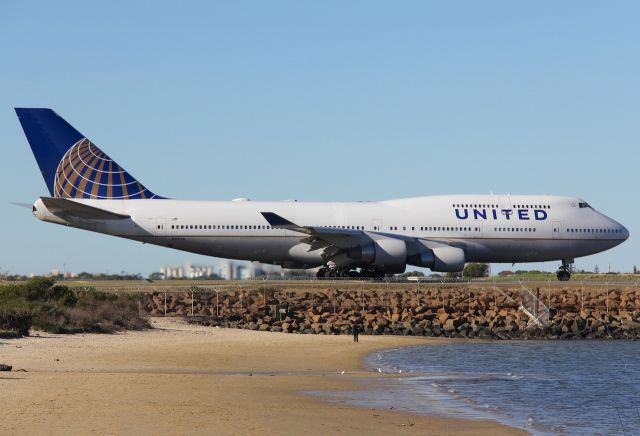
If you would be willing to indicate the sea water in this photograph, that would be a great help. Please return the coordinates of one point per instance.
(546, 387)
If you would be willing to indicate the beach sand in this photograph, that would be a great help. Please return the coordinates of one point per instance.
(186, 379)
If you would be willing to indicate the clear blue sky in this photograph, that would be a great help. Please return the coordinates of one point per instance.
(323, 101)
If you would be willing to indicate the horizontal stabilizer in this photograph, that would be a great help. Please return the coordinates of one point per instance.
(25, 205)
(70, 209)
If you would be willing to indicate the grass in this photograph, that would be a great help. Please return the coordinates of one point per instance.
(43, 305)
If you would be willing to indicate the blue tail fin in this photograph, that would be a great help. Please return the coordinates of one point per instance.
(72, 166)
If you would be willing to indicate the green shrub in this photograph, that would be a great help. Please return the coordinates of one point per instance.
(37, 288)
(58, 309)
(14, 322)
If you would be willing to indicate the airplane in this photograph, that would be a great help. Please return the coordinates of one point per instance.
(90, 191)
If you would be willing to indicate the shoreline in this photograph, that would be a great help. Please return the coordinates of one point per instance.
(181, 378)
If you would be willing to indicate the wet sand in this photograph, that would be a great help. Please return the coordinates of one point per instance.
(184, 379)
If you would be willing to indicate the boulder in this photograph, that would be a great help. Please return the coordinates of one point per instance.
(449, 325)
(443, 317)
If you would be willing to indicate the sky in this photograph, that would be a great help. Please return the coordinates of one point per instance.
(333, 100)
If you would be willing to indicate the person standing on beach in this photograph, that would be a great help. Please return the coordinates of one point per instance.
(356, 331)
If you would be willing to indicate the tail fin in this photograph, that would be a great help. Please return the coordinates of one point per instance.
(72, 166)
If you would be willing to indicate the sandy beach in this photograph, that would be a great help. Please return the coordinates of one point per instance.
(184, 379)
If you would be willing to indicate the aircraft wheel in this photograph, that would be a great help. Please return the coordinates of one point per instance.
(563, 276)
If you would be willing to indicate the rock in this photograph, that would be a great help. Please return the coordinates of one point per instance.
(417, 331)
(449, 325)
(631, 325)
(463, 327)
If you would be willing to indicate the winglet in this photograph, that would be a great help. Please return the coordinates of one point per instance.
(277, 222)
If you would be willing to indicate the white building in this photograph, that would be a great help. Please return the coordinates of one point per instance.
(226, 269)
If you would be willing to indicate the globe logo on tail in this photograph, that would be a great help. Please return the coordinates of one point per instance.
(85, 171)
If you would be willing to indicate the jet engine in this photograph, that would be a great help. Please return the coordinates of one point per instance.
(441, 259)
(389, 255)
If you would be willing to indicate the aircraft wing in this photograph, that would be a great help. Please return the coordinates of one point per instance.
(65, 209)
(319, 237)
(335, 241)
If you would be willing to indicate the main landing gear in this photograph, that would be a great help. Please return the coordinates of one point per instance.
(564, 272)
(328, 272)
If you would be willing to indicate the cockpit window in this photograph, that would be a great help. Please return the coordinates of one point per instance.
(583, 204)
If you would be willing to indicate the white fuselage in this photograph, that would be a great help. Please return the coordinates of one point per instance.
(489, 228)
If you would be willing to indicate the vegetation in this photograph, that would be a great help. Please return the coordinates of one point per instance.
(298, 274)
(406, 274)
(43, 305)
(476, 270)
(103, 276)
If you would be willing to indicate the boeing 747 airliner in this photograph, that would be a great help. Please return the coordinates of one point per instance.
(90, 191)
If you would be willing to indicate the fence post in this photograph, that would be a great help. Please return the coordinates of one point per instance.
(217, 304)
(165, 303)
(191, 303)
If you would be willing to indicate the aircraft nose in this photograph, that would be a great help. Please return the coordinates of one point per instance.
(625, 232)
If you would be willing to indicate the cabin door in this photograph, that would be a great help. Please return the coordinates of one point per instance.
(556, 228)
(376, 224)
(161, 227)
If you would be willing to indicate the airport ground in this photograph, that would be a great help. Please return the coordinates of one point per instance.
(186, 379)
(586, 281)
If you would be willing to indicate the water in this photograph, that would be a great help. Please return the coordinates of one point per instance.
(546, 387)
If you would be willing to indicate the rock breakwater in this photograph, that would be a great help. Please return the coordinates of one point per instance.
(448, 312)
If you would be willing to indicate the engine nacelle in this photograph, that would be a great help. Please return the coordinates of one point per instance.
(440, 259)
(387, 254)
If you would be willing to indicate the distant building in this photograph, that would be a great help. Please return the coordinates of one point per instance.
(187, 271)
(505, 273)
(226, 270)
(67, 275)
